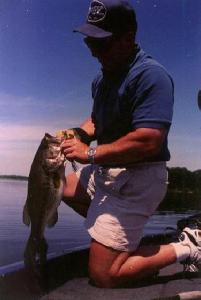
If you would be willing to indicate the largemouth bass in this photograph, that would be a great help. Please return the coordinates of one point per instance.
(45, 189)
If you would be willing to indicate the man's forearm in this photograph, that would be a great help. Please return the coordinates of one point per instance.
(136, 146)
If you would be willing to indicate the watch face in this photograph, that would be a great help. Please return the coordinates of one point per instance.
(91, 152)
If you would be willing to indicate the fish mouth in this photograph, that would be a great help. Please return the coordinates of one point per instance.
(53, 158)
(52, 164)
(53, 151)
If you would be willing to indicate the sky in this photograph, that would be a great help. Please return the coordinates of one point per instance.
(46, 73)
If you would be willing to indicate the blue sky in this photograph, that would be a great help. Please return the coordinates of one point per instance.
(46, 72)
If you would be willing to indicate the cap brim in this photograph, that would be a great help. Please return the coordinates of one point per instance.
(92, 31)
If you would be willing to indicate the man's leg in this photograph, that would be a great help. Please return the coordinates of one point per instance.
(121, 208)
(111, 268)
(75, 196)
(108, 267)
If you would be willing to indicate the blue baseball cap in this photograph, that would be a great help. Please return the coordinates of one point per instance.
(108, 18)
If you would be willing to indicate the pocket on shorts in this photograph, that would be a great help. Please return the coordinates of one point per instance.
(137, 180)
(111, 180)
(119, 181)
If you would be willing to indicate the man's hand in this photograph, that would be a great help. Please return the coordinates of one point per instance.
(65, 133)
(74, 149)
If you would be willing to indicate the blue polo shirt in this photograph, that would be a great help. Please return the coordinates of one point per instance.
(140, 96)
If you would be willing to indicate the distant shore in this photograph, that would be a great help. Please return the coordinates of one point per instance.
(14, 177)
(183, 194)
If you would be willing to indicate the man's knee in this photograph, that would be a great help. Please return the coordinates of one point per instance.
(105, 264)
(103, 279)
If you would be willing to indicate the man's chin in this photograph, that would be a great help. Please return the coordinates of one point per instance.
(108, 66)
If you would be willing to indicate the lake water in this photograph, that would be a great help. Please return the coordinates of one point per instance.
(68, 233)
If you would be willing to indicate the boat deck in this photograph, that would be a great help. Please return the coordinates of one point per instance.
(65, 278)
(170, 283)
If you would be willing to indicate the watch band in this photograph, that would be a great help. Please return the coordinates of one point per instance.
(91, 154)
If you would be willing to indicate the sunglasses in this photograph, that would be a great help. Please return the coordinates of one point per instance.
(99, 44)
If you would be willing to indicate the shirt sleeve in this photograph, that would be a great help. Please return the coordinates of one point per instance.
(152, 95)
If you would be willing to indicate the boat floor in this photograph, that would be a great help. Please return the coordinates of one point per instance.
(169, 283)
(65, 278)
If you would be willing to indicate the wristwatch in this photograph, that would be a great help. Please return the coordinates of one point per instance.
(91, 154)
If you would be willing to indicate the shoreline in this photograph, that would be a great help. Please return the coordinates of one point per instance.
(14, 177)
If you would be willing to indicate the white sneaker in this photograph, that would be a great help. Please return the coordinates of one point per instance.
(192, 238)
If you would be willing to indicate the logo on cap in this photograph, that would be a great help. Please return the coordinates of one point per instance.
(97, 12)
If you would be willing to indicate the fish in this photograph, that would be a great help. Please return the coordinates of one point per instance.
(44, 195)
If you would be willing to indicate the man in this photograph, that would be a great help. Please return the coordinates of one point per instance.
(126, 178)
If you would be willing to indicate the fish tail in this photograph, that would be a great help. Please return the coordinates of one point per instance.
(35, 253)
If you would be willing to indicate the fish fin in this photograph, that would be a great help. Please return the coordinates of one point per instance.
(26, 217)
(53, 220)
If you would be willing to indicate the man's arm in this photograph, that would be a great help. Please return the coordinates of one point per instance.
(137, 146)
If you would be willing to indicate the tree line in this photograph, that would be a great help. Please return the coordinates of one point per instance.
(184, 190)
(181, 179)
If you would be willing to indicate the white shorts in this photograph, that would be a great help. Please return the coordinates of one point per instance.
(122, 201)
